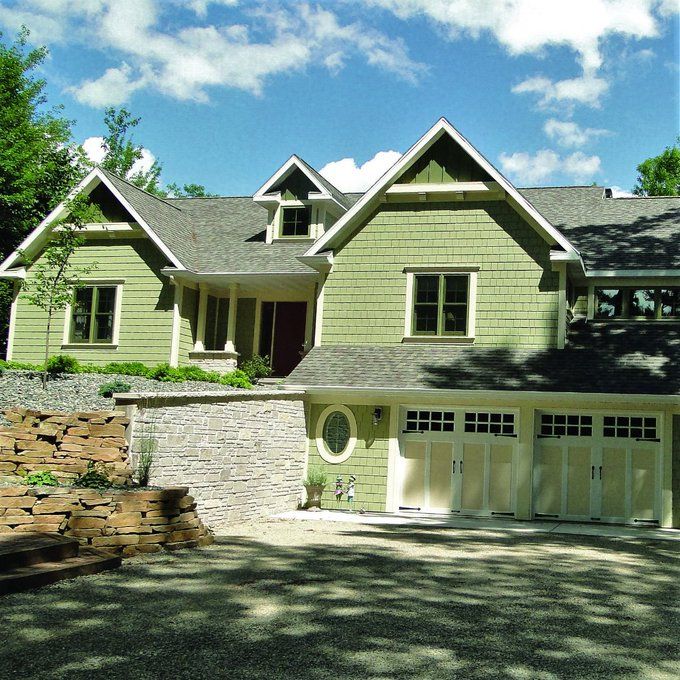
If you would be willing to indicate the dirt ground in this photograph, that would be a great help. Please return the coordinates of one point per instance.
(315, 600)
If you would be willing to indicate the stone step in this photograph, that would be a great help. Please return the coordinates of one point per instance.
(25, 549)
(89, 561)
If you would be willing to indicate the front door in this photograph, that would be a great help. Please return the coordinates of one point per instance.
(282, 334)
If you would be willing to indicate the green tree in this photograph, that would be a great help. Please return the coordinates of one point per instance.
(122, 153)
(54, 280)
(660, 175)
(39, 162)
(188, 191)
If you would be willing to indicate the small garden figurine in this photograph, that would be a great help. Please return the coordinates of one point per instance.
(350, 492)
(338, 489)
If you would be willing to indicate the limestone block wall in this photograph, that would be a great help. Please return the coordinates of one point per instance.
(127, 522)
(242, 454)
(63, 443)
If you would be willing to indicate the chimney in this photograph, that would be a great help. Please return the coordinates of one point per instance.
(608, 193)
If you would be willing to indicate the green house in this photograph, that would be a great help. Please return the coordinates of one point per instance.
(465, 346)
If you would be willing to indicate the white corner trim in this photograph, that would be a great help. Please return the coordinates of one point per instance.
(562, 305)
(318, 322)
(393, 455)
(117, 314)
(440, 128)
(327, 455)
(176, 323)
(12, 320)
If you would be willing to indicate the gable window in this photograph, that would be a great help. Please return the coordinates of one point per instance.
(440, 304)
(296, 221)
(93, 315)
(637, 303)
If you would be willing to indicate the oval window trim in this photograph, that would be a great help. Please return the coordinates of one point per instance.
(323, 450)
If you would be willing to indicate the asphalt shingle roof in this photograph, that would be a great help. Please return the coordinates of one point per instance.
(636, 358)
(227, 234)
(613, 233)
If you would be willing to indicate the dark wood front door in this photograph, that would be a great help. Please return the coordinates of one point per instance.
(283, 334)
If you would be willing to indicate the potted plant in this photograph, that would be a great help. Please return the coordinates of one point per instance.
(314, 484)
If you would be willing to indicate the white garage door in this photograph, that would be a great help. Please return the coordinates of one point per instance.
(597, 467)
(458, 460)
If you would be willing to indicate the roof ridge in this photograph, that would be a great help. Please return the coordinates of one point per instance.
(134, 186)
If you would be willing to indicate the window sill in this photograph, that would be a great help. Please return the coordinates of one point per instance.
(88, 345)
(293, 238)
(439, 339)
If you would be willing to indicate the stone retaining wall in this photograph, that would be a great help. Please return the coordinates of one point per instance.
(127, 522)
(242, 454)
(63, 443)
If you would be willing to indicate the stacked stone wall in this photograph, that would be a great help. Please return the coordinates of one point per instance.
(64, 443)
(242, 455)
(127, 522)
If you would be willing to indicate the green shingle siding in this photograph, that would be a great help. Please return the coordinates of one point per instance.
(368, 462)
(146, 313)
(517, 301)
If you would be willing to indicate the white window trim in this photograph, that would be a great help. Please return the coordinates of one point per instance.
(471, 272)
(278, 220)
(66, 337)
(327, 455)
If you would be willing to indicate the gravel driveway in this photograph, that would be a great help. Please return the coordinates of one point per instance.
(288, 600)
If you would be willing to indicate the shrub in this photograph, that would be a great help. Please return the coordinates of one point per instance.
(147, 447)
(96, 477)
(316, 476)
(19, 366)
(41, 478)
(108, 388)
(236, 378)
(197, 373)
(256, 367)
(63, 363)
(165, 373)
(127, 368)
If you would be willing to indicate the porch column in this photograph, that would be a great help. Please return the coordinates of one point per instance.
(199, 345)
(229, 346)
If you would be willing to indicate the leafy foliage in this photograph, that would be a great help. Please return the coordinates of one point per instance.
(122, 153)
(188, 191)
(316, 476)
(54, 280)
(109, 388)
(660, 175)
(256, 367)
(38, 160)
(127, 368)
(166, 373)
(96, 477)
(236, 378)
(41, 478)
(63, 363)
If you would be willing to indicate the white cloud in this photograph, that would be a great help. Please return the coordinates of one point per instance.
(618, 192)
(346, 175)
(185, 61)
(526, 168)
(533, 26)
(582, 90)
(94, 150)
(113, 88)
(570, 134)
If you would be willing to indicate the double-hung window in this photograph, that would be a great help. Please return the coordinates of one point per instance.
(441, 304)
(93, 314)
(295, 222)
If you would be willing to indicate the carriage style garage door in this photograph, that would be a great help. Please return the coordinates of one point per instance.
(458, 460)
(597, 467)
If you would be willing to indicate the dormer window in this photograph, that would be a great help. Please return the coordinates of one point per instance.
(295, 222)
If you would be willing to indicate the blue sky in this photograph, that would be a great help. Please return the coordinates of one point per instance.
(557, 92)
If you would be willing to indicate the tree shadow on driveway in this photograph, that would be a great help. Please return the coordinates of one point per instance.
(284, 600)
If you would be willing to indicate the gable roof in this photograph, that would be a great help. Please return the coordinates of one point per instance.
(133, 200)
(599, 358)
(321, 183)
(442, 127)
(614, 233)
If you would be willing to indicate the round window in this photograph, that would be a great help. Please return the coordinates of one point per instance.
(336, 433)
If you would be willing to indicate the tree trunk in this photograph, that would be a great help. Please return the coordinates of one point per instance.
(47, 347)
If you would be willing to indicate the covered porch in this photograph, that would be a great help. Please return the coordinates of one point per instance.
(234, 317)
